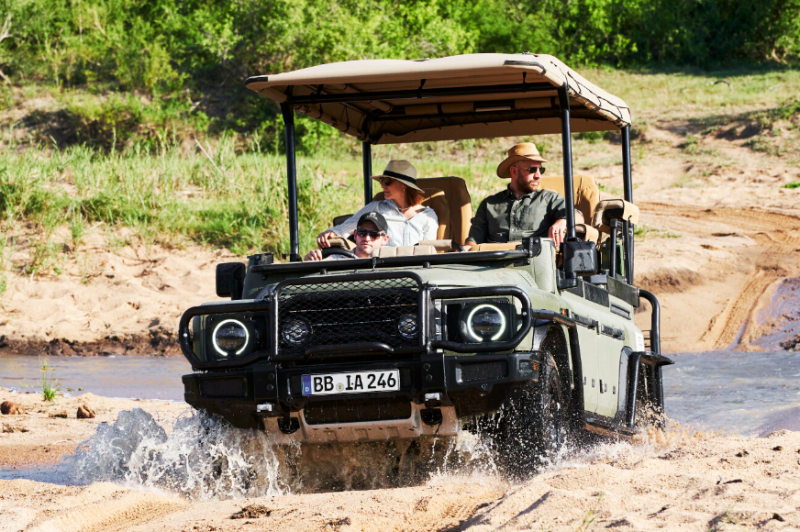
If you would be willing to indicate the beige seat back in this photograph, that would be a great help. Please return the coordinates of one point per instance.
(585, 192)
(403, 251)
(497, 246)
(455, 220)
(609, 209)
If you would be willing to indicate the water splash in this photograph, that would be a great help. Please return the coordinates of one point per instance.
(202, 458)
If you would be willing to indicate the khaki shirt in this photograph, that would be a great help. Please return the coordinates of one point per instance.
(505, 218)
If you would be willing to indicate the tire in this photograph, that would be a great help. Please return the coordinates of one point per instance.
(532, 425)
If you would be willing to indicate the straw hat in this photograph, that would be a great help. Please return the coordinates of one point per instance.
(520, 152)
(402, 171)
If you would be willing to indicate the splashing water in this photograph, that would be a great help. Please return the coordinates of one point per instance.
(202, 458)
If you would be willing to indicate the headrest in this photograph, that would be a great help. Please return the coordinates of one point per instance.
(403, 251)
(611, 209)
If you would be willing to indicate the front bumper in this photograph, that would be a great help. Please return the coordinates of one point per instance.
(435, 391)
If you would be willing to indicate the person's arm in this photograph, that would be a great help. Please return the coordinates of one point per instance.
(431, 231)
(558, 216)
(480, 226)
(557, 208)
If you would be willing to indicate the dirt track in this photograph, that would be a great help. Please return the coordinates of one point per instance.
(760, 248)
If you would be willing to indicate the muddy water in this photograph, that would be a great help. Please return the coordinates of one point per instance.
(126, 377)
(202, 458)
(783, 313)
(747, 393)
(741, 392)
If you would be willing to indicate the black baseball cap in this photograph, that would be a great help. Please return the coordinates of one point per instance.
(376, 218)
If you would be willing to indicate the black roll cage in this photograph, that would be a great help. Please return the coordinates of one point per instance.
(564, 113)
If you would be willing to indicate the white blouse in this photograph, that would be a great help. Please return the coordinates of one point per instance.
(402, 232)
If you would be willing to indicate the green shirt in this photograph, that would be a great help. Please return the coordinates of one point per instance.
(505, 218)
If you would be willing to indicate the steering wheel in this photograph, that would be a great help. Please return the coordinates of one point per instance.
(327, 252)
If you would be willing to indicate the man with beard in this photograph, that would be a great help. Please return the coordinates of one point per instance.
(521, 210)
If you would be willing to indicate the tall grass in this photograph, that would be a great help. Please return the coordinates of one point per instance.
(218, 196)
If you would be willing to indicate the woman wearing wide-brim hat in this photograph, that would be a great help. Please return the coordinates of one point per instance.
(408, 220)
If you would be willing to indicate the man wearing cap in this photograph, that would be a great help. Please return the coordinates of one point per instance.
(370, 234)
(408, 221)
(521, 210)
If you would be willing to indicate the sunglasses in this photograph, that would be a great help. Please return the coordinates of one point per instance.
(374, 235)
(532, 169)
(385, 181)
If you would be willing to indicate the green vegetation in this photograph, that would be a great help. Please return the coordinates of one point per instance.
(50, 386)
(167, 63)
(795, 184)
(646, 231)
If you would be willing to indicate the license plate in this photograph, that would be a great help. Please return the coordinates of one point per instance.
(360, 382)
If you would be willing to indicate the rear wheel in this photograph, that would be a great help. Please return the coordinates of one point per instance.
(532, 424)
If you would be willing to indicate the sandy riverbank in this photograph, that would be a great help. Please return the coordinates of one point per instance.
(681, 480)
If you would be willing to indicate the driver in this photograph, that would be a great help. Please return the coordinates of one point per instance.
(370, 234)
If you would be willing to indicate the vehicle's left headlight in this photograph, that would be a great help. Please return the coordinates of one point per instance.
(485, 323)
(230, 337)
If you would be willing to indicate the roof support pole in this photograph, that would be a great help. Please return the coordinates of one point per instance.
(626, 163)
(291, 175)
(627, 183)
(367, 157)
(566, 147)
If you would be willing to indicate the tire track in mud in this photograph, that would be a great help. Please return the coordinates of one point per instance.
(777, 234)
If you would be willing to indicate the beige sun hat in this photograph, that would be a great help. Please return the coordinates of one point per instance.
(523, 151)
(402, 171)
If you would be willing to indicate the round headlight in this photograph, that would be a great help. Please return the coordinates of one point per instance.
(296, 332)
(407, 326)
(230, 337)
(486, 322)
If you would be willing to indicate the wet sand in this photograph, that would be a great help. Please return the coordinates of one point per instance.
(678, 480)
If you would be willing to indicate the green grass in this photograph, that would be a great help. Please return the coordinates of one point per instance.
(646, 231)
(677, 94)
(795, 184)
(50, 386)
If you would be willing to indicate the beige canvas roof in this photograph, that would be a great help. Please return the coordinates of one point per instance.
(388, 101)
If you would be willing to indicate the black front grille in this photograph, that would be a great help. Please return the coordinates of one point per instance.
(357, 411)
(224, 387)
(344, 312)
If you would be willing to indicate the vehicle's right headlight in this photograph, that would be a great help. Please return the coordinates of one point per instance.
(485, 323)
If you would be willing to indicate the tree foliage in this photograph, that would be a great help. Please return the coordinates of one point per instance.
(180, 51)
(160, 45)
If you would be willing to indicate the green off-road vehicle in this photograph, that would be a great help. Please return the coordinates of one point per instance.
(521, 339)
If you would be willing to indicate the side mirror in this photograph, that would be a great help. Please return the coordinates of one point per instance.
(230, 279)
(580, 258)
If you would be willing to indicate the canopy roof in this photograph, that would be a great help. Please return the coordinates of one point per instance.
(389, 101)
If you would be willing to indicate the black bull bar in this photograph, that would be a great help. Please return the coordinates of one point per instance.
(428, 344)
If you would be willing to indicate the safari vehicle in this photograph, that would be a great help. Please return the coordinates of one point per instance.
(521, 339)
